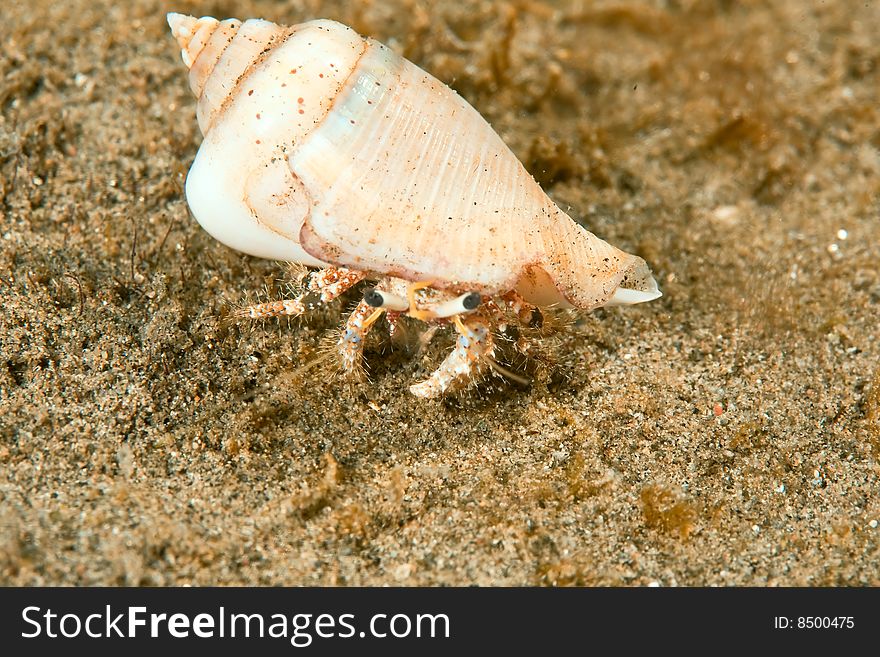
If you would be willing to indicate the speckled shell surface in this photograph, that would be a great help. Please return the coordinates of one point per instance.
(269, 88)
(322, 147)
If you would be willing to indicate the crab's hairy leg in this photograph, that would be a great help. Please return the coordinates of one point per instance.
(333, 281)
(351, 343)
(323, 286)
(468, 360)
(393, 319)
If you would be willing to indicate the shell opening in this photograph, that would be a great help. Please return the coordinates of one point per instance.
(637, 286)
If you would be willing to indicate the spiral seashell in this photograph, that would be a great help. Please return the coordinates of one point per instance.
(327, 149)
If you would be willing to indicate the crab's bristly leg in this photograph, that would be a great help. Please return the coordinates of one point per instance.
(351, 343)
(467, 361)
(393, 319)
(333, 281)
(324, 285)
(279, 308)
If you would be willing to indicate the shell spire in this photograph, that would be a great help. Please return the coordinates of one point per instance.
(205, 41)
(192, 34)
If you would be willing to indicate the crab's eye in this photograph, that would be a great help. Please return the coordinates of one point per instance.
(471, 300)
(374, 298)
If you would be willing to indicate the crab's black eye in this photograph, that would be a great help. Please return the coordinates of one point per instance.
(471, 301)
(374, 298)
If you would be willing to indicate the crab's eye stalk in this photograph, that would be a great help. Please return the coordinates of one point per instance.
(386, 300)
(462, 304)
(471, 301)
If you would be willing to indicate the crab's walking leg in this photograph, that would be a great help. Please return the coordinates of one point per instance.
(393, 319)
(351, 342)
(470, 357)
(324, 286)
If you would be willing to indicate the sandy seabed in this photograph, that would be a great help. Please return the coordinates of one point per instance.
(726, 434)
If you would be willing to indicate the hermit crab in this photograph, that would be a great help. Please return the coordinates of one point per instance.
(327, 149)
